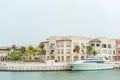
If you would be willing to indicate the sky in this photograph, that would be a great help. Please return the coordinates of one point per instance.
(28, 22)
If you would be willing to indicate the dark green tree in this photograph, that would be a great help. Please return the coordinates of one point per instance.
(76, 49)
(8, 49)
(42, 51)
(23, 49)
(94, 52)
(41, 45)
(89, 49)
(14, 47)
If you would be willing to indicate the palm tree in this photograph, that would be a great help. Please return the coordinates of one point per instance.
(89, 49)
(14, 47)
(8, 49)
(22, 52)
(76, 49)
(30, 51)
(8, 53)
(23, 49)
(41, 50)
(41, 45)
(94, 52)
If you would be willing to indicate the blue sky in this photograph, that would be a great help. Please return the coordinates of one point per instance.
(26, 22)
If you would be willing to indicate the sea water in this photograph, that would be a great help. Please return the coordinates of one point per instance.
(62, 75)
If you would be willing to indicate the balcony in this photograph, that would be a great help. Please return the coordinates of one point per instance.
(51, 47)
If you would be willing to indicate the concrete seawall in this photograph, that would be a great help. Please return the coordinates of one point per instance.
(36, 66)
(33, 67)
(116, 65)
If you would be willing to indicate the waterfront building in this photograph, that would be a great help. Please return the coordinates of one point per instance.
(60, 48)
(105, 46)
(118, 49)
(4, 52)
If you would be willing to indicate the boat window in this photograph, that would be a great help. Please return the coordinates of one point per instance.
(89, 62)
(106, 58)
(71, 66)
(93, 62)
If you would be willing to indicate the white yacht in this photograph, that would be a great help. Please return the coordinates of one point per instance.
(92, 63)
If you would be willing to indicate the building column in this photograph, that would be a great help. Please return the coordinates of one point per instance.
(64, 58)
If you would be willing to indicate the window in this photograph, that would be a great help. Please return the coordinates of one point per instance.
(68, 44)
(62, 45)
(109, 45)
(82, 51)
(110, 52)
(104, 46)
(52, 45)
(52, 52)
(67, 51)
(92, 44)
(62, 51)
(58, 45)
(82, 44)
(98, 45)
(118, 52)
(114, 52)
(58, 51)
(104, 51)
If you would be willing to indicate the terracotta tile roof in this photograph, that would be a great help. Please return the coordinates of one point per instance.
(95, 41)
(4, 47)
(63, 40)
(46, 42)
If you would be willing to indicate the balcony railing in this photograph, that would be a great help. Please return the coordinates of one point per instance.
(52, 47)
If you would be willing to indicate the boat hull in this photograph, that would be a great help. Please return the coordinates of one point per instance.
(90, 66)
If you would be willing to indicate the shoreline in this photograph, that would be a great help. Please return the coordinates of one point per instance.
(37, 66)
(34, 66)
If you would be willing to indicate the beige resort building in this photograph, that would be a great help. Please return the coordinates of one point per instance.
(105, 46)
(60, 48)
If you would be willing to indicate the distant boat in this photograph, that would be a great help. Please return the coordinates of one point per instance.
(92, 63)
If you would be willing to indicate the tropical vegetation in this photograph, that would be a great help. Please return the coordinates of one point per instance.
(76, 49)
(29, 53)
(90, 50)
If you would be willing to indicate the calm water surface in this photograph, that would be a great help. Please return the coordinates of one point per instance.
(62, 75)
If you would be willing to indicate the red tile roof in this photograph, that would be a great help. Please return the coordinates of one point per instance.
(95, 41)
(63, 40)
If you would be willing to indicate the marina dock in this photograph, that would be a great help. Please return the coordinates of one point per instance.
(33, 67)
(117, 65)
(38, 67)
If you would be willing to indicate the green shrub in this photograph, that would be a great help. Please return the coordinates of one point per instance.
(15, 58)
